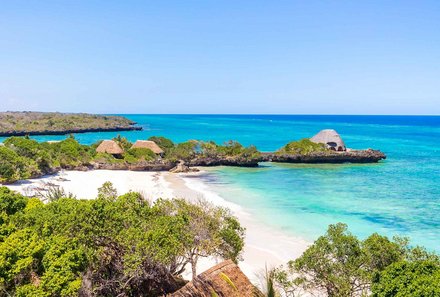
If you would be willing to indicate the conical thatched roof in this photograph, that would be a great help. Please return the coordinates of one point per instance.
(149, 145)
(224, 279)
(330, 138)
(109, 147)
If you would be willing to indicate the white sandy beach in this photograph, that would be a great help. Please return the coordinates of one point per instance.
(264, 246)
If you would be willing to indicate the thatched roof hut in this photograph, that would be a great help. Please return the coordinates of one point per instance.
(109, 147)
(224, 279)
(149, 145)
(331, 139)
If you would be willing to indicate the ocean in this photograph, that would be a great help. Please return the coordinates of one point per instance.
(398, 196)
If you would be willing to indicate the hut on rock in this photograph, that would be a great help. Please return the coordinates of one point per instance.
(110, 147)
(331, 139)
(149, 145)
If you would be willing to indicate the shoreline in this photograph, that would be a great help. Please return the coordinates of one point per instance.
(70, 131)
(264, 246)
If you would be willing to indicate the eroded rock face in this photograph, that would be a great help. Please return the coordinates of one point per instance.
(182, 168)
(224, 161)
(354, 156)
(140, 166)
(225, 279)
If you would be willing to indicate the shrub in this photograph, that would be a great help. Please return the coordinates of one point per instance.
(409, 279)
(303, 146)
(184, 151)
(339, 264)
(142, 153)
(123, 142)
(164, 143)
(109, 246)
(13, 167)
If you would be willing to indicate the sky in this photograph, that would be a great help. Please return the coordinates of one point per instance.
(207, 56)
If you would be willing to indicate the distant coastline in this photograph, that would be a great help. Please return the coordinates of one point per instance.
(70, 131)
(55, 123)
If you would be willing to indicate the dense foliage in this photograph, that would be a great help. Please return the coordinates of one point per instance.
(23, 158)
(40, 122)
(303, 146)
(164, 143)
(339, 264)
(111, 246)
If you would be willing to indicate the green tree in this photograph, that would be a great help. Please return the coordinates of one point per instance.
(419, 278)
(339, 264)
(142, 154)
(164, 143)
(13, 167)
(107, 191)
(123, 142)
(208, 231)
(184, 151)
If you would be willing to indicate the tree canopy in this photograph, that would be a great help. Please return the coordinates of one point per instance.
(339, 264)
(113, 245)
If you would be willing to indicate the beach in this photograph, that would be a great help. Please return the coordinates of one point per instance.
(264, 246)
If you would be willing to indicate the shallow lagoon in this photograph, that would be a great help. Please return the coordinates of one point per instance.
(400, 195)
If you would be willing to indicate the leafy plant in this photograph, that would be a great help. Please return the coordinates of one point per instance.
(303, 146)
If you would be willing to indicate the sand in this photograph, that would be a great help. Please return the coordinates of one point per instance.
(264, 246)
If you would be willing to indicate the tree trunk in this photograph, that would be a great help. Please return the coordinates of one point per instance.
(194, 267)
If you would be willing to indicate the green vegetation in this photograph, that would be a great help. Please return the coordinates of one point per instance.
(126, 246)
(24, 158)
(21, 123)
(303, 146)
(111, 246)
(229, 149)
(339, 264)
(409, 278)
(164, 143)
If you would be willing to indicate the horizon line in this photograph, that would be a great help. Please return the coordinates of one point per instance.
(229, 114)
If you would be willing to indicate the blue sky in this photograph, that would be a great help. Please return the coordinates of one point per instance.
(291, 57)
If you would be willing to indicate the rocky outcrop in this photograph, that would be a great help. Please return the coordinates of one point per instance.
(224, 161)
(159, 165)
(225, 280)
(182, 168)
(69, 131)
(353, 156)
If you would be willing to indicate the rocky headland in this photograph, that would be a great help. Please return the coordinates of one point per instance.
(55, 123)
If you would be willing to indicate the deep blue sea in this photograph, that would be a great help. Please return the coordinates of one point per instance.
(398, 196)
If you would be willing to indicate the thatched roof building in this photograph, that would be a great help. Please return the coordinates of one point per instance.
(331, 139)
(149, 145)
(109, 147)
(224, 279)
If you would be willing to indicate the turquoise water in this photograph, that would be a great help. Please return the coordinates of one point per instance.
(399, 196)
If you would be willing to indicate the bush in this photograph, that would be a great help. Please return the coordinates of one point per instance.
(70, 153)
(409, 279)
(164, 143)
(142, 153)
(303, 146)
(123, 142)
(13, 167)
(183, 151)
(31, 149)
(229, 149)
(339, 264)
(109, 246)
